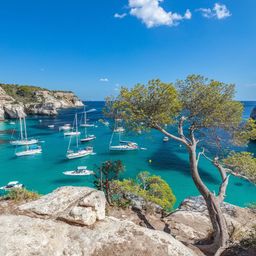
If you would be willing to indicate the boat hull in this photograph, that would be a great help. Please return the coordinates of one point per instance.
(29, 152)
(23, 142)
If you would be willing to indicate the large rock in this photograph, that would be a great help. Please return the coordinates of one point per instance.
(14, 111)
(27, 236)
(41, 109)
(253, 113)
(78, 205)
(191, 223)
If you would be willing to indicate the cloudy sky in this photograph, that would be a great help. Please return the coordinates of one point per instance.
(94, 47)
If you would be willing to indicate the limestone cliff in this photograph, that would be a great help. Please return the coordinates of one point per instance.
(18, 101)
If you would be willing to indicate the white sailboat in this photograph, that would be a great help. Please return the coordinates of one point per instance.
(86, 138)
(12, 185)
(123, 145)
(85, 124)
(23, 141)
(30, 150)
(72, 154)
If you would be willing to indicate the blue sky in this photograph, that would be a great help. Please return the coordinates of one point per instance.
(92, 47)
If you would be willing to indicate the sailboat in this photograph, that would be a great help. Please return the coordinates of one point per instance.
(72, 154)
(86, 138)
(80, 171)
(72, 132)
(85, 124)
(30, 150)
(123, 145)
(23, 141)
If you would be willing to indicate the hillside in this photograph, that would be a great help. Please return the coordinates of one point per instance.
(20, 100)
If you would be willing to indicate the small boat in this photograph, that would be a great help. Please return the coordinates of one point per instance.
(12, 123)
(88, 138)
(23, 141)
(85, 124)
(76, 133)
(165, 139)
(80, 171)
(122, 145)
(30, 151)
(12, 185)
(119, 129)
(65, 127)
(51, 126)
(79, 153)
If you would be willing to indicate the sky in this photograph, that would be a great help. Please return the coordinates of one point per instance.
(93, 47)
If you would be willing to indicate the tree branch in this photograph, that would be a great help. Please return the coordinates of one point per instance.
(159, 128)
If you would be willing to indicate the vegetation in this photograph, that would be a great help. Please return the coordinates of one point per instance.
(21, 93)
(107, 172)
(21, 194)
(151, 188)
(197, 105)
(242, 164)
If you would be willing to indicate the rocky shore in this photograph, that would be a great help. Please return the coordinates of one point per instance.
(73, 221)
(34, 101)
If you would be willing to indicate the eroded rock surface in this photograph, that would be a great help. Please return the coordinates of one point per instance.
(78, 205)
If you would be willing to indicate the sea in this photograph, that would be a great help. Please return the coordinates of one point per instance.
(44, 173)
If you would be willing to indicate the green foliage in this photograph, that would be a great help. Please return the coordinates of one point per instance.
(209, 103)
(21, 93)
(243, 163)
(21, 194)
(108, 171)
(151, 188)
(145, 105)
(246, 132)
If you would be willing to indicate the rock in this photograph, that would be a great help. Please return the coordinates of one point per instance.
(14, 111)
(191, 223)
(41, 109)
(253, 113)
(78, 205)
(38, 102)
(27, 236)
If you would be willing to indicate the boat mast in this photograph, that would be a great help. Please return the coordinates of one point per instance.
(25, 129)
(21, 132)
(85, 117)
(76, 131)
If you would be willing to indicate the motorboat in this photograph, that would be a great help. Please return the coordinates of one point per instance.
(80, 171)
(165, 139)
(73, 133)
(51, 126)
(12, 185)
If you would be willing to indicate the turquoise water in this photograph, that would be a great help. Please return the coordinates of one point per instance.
(43, 173)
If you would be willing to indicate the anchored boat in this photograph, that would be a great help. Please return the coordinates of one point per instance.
(80, 171)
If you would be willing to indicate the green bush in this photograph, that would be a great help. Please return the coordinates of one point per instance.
(151, 188)
(21, 194)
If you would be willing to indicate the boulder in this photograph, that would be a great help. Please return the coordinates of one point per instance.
(14, 111)
(78, 205)
(191, 223)
(27, 236)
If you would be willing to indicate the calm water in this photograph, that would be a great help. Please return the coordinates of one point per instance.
(43, 173)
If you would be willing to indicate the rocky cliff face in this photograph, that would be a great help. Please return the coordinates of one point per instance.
(39, 102)
(71, 221)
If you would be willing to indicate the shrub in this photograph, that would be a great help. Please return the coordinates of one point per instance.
(21, 194)
(151, 188)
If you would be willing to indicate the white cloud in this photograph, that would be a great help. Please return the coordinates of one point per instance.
(219, 11)
(153, 15)
(104, 80)
(120, 16)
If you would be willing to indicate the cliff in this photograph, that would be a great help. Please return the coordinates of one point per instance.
(253, 113)
(19, 101)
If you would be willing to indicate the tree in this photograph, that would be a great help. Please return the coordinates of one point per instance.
(197, 105)
(106, 172)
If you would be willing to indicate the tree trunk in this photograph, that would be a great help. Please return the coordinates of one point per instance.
(220, 230)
